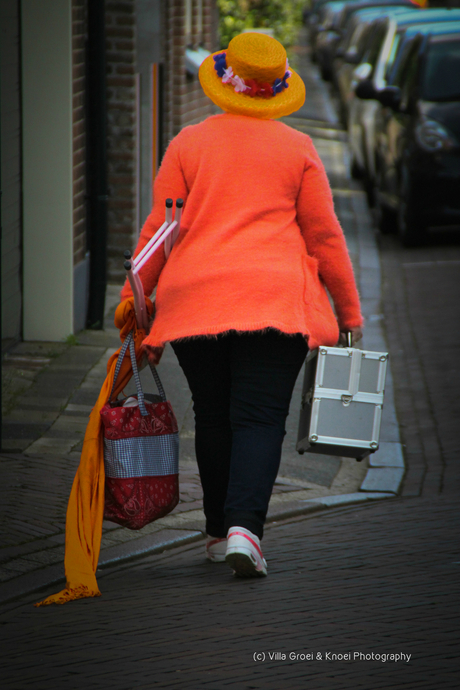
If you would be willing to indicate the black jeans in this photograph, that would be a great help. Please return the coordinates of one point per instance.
(241, 386)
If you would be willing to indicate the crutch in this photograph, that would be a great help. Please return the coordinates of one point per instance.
(168, 234)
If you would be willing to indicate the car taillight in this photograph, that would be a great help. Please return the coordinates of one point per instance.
(431, 136)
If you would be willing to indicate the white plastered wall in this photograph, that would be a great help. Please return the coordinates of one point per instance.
(47, 169)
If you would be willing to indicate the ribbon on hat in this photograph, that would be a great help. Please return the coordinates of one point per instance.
(250, 87)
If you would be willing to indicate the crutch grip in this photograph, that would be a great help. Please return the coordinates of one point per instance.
(177, 218)
(168, 219)
(138, 294)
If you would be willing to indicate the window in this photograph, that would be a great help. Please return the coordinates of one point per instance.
(441, 74)
(392, 55)
(375, 45)
(401, 65)
(188, 21)
(409, 76)
(199, 19)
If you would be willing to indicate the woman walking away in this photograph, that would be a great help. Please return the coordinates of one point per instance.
(242, 295)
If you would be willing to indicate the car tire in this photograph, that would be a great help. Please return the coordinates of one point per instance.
(369, 188)
(411, 228)
(325, 73)
(385, 217)
(355, 170)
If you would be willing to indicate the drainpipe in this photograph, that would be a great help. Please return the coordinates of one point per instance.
(96, 162)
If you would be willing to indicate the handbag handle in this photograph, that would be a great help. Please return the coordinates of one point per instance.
(129, 343)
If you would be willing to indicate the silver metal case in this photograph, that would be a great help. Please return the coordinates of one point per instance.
(342, 402)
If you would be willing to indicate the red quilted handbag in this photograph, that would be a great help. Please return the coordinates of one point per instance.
(141, 453)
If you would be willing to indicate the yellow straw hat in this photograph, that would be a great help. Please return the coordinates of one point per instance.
(252, 77)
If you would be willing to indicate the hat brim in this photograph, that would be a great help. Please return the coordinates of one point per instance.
(225, 96)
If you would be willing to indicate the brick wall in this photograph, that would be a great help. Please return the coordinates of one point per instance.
(185, 102)
(78, 124)
(183, 98)
(121, 133)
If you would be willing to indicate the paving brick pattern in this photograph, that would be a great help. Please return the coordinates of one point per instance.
(363, 580)
(422, 316)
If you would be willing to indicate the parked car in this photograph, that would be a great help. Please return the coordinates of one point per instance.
(419, 146)
(336, 23)
(377, 63)
(327, 37)
(361, 41)
(316, 21)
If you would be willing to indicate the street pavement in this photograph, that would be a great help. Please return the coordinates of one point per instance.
(347, 579)
(375, 580)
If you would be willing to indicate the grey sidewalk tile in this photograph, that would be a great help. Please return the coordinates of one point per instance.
(11, 552)
(14, 445)
(384, 479)
(388, 455)
(152, 543)
(70, 423)
(31, 582)
(348, 499)
(17, 430)
(50, 401)
(46, 557)
(294, 508)
(37, 416)
(51, 445)
(71, 407)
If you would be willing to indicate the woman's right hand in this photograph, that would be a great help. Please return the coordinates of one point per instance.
(356, 335)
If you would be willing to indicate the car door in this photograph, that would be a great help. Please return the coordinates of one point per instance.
(398, 122)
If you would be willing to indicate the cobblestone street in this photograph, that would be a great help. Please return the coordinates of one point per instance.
(367, 580)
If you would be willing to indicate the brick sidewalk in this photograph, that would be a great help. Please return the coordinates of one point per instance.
(367, 580)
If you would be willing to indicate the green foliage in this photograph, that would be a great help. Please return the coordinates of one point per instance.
(71, 340)
(284, 17)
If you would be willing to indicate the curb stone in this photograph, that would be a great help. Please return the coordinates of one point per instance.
(387, 469)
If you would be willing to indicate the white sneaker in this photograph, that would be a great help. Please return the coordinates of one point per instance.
(216, 549)
(244, 554)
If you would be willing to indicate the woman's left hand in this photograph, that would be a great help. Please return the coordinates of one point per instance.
(150, 354)
(356, 335)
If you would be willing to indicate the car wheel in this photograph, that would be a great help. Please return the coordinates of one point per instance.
(355, 170)
(385, 217)
(369, 188)
(411, 228)
(325, 73)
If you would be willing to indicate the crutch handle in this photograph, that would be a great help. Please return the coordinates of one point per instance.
(138, 294)
(168, 219)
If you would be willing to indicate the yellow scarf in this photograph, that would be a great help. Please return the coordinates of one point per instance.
(85, 510)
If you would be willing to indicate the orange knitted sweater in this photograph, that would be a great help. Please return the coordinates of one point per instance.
(259, 239)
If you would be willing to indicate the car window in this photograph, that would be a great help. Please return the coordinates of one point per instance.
(375, 45)
(392, 54)
(409, 76)
(401, 67)
(356, 39)
(364, 39)
(348, 38)
(441, 74)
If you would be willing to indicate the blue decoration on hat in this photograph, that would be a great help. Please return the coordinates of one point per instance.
(220, 64)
